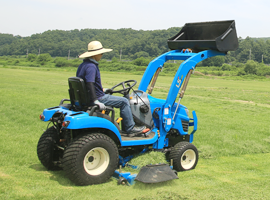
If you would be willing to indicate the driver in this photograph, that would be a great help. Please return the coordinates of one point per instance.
(89, 72)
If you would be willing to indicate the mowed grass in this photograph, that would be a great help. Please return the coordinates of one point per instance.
(233, 140)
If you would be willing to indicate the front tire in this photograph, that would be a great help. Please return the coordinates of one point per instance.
(185, 156)
(92, 159)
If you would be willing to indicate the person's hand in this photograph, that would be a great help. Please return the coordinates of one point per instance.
(100, 105)
(107, 91)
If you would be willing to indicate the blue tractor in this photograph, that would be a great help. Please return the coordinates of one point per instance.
(88, 144)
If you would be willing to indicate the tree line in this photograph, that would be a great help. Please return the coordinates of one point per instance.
(127, 43)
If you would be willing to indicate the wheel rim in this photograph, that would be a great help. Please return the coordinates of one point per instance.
(188, 159)
(96, 161)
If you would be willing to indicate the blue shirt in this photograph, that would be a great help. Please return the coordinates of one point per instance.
(89, 72)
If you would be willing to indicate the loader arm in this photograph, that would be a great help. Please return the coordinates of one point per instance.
(191, 60)
(167, 113)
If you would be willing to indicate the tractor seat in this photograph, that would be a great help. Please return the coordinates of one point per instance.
(78, 94)
(79, 97)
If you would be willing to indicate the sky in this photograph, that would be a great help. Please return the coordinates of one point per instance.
(27, 17)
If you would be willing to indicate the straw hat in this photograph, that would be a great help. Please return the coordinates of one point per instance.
(94, 48)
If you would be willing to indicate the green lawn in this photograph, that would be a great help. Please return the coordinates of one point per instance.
(233, 140)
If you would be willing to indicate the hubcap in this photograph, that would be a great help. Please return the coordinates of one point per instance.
(188, 159)
(96, 161)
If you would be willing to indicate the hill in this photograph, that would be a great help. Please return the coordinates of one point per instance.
(131, 44)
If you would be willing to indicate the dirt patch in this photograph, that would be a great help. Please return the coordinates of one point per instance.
(200, 73)
(3, 175)
(242, 101)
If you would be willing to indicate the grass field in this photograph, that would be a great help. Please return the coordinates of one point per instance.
(233, 140)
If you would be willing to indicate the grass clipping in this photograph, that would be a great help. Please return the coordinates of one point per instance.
(152, 157)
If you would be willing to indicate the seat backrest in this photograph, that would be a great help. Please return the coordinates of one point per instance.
(78, 94)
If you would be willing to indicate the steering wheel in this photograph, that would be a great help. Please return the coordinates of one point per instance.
(126, 87)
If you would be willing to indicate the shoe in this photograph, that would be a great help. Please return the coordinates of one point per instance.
(136, 131)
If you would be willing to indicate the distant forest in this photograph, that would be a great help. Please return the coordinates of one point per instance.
(131, 44)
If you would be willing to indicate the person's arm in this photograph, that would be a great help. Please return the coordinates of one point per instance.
(91, 91)
(92, 95)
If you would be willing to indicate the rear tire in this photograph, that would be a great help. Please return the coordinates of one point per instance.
(92, 159)
(47, 152)
(185, 156)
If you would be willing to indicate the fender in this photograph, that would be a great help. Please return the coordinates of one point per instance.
(82, 120)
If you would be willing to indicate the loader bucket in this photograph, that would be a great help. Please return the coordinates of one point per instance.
(217, 35)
